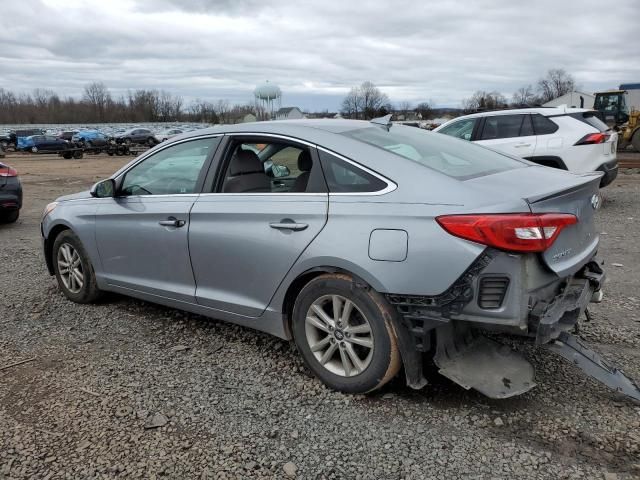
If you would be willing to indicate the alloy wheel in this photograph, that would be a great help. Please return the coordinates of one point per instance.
(70, 268)
(339, 335)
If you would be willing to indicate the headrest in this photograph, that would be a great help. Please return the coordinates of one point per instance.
(245, 161)
(304, 161)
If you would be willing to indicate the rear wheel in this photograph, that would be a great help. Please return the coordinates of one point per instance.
(73, 269)
(344, 334)
(10, 217)
(635, 140)
(34, 149)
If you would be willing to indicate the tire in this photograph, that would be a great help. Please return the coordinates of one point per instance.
(635, 140)
(88, 291)
(78, 154)
(34, 149)
(67, 155)
(10, 217)
(151, 142)
(369, 323)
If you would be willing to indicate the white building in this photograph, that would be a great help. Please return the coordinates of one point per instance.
(573, 99)
(289, 113)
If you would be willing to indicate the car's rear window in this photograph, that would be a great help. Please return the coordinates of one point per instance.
(453, 157)
(591, 119)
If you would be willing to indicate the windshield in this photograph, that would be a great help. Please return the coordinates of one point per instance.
(453, 157)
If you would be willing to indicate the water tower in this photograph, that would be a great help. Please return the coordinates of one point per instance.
(268, 96)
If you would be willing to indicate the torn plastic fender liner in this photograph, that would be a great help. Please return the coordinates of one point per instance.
(594, 365)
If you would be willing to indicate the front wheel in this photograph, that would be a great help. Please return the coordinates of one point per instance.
(73, 269)
(344, 334)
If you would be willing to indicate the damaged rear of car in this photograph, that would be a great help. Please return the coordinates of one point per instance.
(534, 278)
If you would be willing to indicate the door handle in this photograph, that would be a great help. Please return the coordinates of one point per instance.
(522, 145)
(172, 222)
(284, 225)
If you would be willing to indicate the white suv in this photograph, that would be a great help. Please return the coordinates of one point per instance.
(572, 139)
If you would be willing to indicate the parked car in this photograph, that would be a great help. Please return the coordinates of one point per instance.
(137, 135)
(573, 139)
(164, 135)
(6, 140)
(67, 135)
(371, 245)
(10, 194)
(90, 139)
(42, 143)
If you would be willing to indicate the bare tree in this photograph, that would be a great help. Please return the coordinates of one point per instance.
(423, 109)
(523, 96)
(351, 104)
(555, 84)
(97, 95)
(403, 108)
(482, 100)
(372, 100)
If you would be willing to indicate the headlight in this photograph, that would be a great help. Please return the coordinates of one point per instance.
(48, 209)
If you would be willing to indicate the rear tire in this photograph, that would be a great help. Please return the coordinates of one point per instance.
(74, 272)
(344, 334)
(10, 217)
(635, 140)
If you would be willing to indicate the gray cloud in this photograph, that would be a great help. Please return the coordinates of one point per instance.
(314, 50)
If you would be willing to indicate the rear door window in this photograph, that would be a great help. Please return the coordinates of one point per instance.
(344, 177)
(542, 125)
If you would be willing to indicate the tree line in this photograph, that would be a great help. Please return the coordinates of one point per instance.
(97, 105)
(554, 84)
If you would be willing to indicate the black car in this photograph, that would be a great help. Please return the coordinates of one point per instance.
(137, 135)
(10, 194)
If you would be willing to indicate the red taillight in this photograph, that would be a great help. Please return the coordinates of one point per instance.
(515, 232)
(593, 138)
(6, 171)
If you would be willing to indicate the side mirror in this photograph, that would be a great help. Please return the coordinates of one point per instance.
(104, 189)
(467, 136)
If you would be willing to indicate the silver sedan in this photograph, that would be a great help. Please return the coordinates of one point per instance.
(371, 245)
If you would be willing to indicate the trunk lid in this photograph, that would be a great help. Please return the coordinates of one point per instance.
(548, 190)
(577, 243)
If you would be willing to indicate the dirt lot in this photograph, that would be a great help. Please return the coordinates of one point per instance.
(233, 403)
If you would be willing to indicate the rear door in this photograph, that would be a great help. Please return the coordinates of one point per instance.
(511, 134)
(244, 242)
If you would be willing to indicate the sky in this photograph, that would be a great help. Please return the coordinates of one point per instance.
(315, 52)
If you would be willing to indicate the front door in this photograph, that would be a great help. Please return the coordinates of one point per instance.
(269, 203)
(142, 233)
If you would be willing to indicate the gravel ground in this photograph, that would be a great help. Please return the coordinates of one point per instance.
(128, 389)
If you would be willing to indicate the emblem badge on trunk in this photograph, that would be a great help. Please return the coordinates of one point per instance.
(595, 201)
